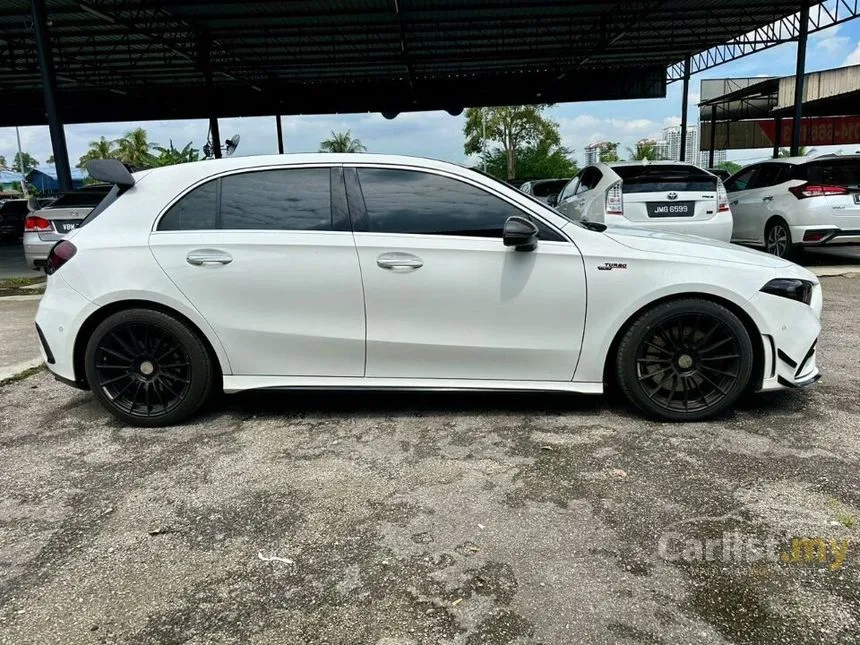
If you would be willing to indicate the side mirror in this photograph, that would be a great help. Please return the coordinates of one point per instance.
(520, 233)
(552, 200)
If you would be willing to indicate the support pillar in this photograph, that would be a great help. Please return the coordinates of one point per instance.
(713, 136)
(777, 136)
(683, 147)
(799, 78)
(49, 89)
(216, 137)
(280, 134)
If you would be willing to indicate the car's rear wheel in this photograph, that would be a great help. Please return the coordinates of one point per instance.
(148, 368)
(685, 360)
(777, 239)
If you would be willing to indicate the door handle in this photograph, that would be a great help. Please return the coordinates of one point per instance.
(399, 261)
(734, 202)
(769, 198)
(202, 257)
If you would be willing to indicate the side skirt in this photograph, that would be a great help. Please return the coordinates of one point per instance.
(239, 383)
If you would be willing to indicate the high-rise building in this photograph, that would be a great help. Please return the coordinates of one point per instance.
(719, 157)
(672, 136)
(594, 152)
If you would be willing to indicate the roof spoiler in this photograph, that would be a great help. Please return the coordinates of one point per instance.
(111, 171)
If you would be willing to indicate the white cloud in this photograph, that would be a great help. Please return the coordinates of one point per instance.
(671, 121)
(853, 58)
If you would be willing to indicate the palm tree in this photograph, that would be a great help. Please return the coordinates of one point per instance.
(134, 148)
(342, 142)
(802, 151)
(644, 151)
(101, 149)
(171, 155)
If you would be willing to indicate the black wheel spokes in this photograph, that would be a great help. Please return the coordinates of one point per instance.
(688, 363)
(143, 369)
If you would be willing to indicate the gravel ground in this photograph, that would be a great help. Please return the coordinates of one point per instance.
(399, 519)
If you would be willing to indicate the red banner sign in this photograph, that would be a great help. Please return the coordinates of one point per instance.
(815, 131)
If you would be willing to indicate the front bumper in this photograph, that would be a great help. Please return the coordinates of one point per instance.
(790, 340)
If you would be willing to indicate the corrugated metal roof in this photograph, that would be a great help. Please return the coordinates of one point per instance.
(138, 59)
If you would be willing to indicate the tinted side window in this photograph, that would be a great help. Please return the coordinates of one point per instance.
(835, 172)
(294, 200)
(570, 188)
(407, 201)
(770, 174)
(195, 211)
(741, 180)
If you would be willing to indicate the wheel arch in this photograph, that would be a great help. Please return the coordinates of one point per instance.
(102, 313)
(609, 375)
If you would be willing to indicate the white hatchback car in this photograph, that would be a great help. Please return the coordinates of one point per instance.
(786, 204)
(659, 195)
(375, 271)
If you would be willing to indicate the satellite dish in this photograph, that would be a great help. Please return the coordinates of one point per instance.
(390, 115)
(457, 111)
(231, 144)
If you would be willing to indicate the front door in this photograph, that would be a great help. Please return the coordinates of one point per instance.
(268, 259)
(446, 299)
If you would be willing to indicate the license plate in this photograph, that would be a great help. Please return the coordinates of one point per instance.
(671, 209)
(64, 226)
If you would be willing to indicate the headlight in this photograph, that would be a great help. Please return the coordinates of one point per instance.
(800, 290)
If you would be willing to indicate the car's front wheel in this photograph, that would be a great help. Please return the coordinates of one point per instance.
(148, 368)
(685, 360)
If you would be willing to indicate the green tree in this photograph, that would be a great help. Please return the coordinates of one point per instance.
(50, 159)
(610, 152)
(100, 149)
(2, 161)
(509, 128)
(730, 166)
(24, 162)
(170, 155)
(342, 142)
(135, 148)
(802, 151)
(642, 151)
(540, 161)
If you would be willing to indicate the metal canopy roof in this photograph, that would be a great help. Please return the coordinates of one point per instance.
(123, 60)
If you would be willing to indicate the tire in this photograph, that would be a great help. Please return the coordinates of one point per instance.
(777, 239)
(685, 360)
(147, 368)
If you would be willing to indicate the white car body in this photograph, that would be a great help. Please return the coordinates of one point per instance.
(778, 190)
(589, 196)
(301, 308)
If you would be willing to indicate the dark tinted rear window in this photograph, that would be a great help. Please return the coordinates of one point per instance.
(89, 198)
(16, 207)
(546, 188)
(837, 172)
(661, 179)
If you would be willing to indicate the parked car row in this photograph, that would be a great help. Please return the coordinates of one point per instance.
(13, 213)
(779, 205)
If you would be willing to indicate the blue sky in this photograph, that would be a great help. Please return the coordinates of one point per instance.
(439, 135)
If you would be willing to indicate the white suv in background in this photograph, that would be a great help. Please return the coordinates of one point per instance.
(667, 196)
(784, 204)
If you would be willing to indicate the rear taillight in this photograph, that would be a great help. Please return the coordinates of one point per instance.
(722, 197)
(34, 223)
(62, 252)
(614, 200)
(805, 191)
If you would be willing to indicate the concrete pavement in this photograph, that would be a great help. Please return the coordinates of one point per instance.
(19, 345)
(12, 263)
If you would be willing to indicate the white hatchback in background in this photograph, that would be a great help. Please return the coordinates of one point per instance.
(784, 204)
(659, 195)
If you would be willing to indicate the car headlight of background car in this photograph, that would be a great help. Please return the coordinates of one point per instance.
(793, 288)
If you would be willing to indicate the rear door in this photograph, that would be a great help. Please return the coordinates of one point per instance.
(743, 202)
(268, 258)
(841, 181)
(666, 192)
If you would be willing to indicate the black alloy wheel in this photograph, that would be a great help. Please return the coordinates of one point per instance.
(685, 360)
(148, 368)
